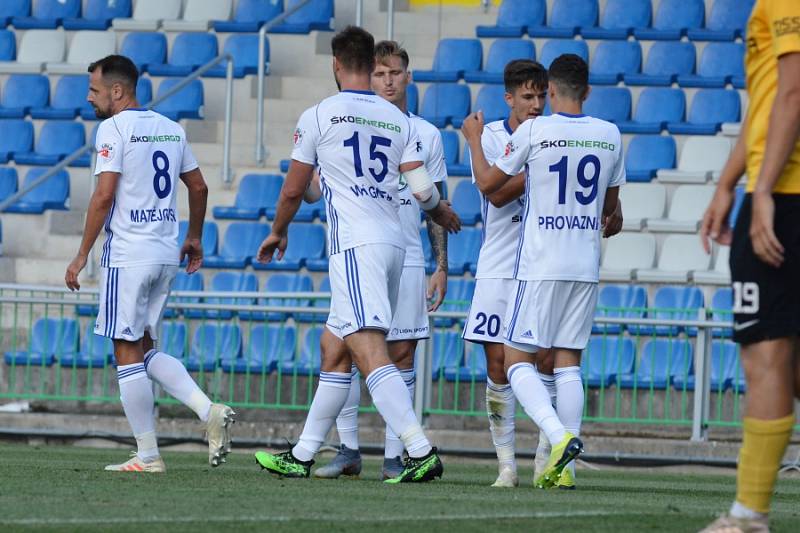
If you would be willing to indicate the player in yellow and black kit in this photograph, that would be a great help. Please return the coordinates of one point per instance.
(765, 255)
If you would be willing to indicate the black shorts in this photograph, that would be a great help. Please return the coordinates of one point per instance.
(766, 300)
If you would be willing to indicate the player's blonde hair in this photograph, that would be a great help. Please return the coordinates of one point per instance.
(387, 49)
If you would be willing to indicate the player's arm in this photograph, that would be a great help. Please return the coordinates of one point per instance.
(437, 287)
(428, 197)
(314, 191)
(511, 190)
(198, 200)
(488, 178)
(782, 134)
(99, 206)
(612, 212)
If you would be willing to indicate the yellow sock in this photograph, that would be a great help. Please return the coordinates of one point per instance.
(763, 445)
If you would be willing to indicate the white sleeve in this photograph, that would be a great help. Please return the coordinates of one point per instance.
(619, 177)
(188, 162)
(516, 152)
(435, 164)
(306, 137)
(108, 144)
(413, 147)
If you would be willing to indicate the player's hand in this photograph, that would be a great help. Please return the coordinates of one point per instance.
(272, 243)
(192, 250)
(612, 224)
(472, 128)
(715, 221)
(444, 216)
(437, 289)
(762, 230)
(74, 268)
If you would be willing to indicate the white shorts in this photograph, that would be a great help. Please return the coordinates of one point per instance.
(488, 308)
(410, 320)
(365, 282)
(546, 314)
(132, 301)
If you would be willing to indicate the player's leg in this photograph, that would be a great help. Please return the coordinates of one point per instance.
(544, 365)
(401, 354)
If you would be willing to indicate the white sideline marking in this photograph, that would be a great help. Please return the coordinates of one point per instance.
(267, 518)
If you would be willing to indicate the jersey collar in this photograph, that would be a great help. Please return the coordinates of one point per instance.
(571, 116)
(135, 109)
(507, 126)
(357, 92)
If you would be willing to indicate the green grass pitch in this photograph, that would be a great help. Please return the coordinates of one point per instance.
(59, 488)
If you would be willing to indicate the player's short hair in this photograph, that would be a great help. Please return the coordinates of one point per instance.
(117, 69)
(354, 48)
(520, 72)
(570, 74)
(387, 49)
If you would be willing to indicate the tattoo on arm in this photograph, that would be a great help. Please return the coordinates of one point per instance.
(438, 237)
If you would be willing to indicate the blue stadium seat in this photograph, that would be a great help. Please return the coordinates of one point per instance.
(172, 339)
(609, 103)
(256, 193)
(212, 343)
(462, 250)
(737, 205)
(605, 358)
(48, 14)
(8, 45)
(317, 15)
(412, 98)
(240, 245)
(13, 8)
(307, 212)
(448, 352)
(244, 49)
(52, 194)
(655, 108)
(673, 19)
(98, 15)
(17, 138)
(56, 140)
(189, 51)
(724, 355)
(720, 64)
(50, 338)
(490, 100)
(306, 244)
(467, 203)
(567, 17)
(464, 166)
(68, 101)
(614, 59)
(282, 283)
(710, 108)
(665, 62)
(619, 19)
(23, 92)
(186, 103)
(556, 47)
(619, 301)
(450, 145)
(250, 15)
(210, 238)
(648, 153)
(96, 351)
(453, 58)
(500, 54)
(184, 282)
(514, 17)
(269, 345)
(458, 299)
(308, 361)
(8, 178)
(472, 368)
(445, 102)
(662, 361)
(727, 21)
(673, 303)
(722, 310)
(145, 49)
(227, 282)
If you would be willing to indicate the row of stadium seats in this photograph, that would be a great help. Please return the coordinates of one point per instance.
(52, 194)
(622, 18)
(46, 50)
(612, 62)
(171, 15)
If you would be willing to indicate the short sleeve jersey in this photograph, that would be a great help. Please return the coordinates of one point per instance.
(571, 161)
(501, 225)
(432, 153)
(150, 152)
(773, 30)
(358, 141)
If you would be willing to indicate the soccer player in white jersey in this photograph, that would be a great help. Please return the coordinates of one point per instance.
(410, 322)
(501, 210)
(574, 168)
(360, 143)
(139, 155)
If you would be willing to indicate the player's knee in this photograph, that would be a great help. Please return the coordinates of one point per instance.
(545, 362)
(334, 353)
(402, 354)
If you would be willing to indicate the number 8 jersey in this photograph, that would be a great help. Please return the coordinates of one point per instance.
(571, 161)
(150, 152)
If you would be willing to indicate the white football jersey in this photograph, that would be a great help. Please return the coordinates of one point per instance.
(501, 225)
(571, 161)
(150, 152)
(358, 140)
(432, 153)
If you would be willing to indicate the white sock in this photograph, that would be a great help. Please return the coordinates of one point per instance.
(390, 396)
(173, 378)
(331, 395)
(549, 383)
(740, 511)
(347, 421)
(535, 400)
(136, 393)
(569, 400)
(393, 446)
(500, 406)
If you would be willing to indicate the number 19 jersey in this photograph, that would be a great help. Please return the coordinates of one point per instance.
(150, 152)
(571, 161)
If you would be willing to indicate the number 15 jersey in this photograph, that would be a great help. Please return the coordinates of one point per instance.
(571, 161)
(150, 152)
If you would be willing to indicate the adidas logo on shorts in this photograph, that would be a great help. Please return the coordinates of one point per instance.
(528, 334)
(127, 331)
